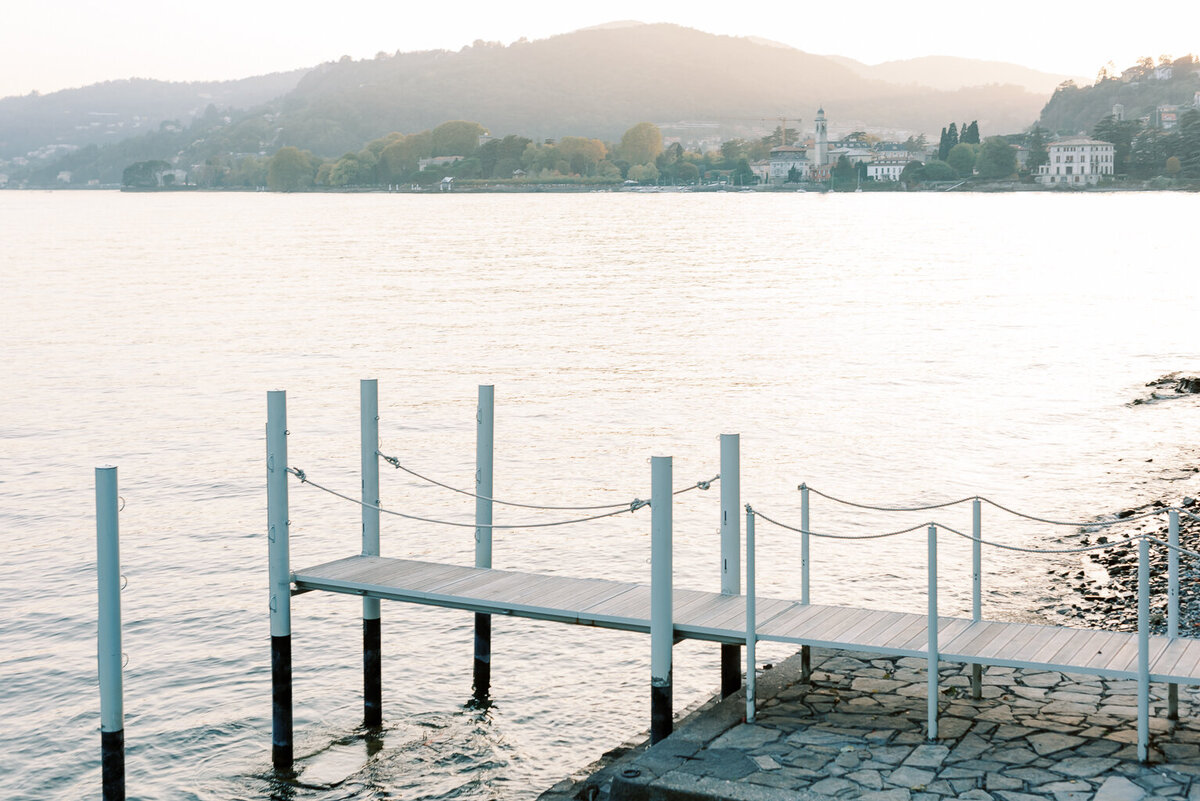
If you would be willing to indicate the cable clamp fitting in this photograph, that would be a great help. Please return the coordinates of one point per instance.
(637, 503)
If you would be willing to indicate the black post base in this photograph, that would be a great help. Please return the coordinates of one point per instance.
(661, 718)
(805, 663)
(731, 669)
(481, 688)
(372, 674)
(281, 702)
(112, 764)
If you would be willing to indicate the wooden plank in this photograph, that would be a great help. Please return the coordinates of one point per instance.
(861, 629)
(1105, 647)
(813, 621)
(1068, 643)
(976, 638)
(1042, 657)
(1186, 666)
(781, 626)
(1176, 654)
(914, 624)
(836, 626)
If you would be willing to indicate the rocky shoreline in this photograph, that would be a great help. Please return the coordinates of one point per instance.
(1102, 590)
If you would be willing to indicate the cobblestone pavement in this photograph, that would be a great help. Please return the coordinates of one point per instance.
(857, 731)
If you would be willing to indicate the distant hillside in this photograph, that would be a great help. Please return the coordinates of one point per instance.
(115, 110)
(950, 73)
(598, 82)
(1140, 89)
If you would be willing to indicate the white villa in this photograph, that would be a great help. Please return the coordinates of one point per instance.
(886, 169)
(1077, 161)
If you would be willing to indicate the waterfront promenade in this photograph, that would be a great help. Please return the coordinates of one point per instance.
(857, 731)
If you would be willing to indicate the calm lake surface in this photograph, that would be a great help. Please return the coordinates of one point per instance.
(883, 348)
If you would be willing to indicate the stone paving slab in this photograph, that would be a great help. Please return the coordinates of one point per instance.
(856, 732)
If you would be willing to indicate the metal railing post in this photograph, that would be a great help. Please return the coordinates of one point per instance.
(805, 651)
(976, 587)
(932, 624)
(280, 581)
(108, 639)
(731, 547)
(1143, 656)
(751, 619)
(662, 625)
(368, 391)
(1173, 605)
(484, 442)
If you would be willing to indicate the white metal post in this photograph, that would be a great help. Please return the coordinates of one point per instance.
(976, 587)
(108, 640)
(751, 619)
(484, 449)
(368, 391)
(731, 547)
(662, 625)
(1173, 604)
(280, 581)
(1143, 659)
(932, 624)
(805, 650)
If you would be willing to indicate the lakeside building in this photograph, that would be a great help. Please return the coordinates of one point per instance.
(887, 169)
(809, 164)
(1166, 116)
(785, 159)
(1080, 160)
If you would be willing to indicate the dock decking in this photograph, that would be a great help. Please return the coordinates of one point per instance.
(722, 618)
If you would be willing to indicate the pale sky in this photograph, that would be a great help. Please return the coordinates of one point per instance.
(50, 46)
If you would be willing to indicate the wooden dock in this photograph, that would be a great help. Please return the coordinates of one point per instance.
(735, 617)
(722, 618)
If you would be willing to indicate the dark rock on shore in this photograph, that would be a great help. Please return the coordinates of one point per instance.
(1169, 387)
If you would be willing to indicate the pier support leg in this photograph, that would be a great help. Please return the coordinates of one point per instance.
(484, 443)
(731, 546)
(932, 627)
(372, 634)
(751, 622)
(280, 582)
(805, 650)
(976, 588)
(108, 640)
(662, 626)
(731, 669)
(1143, 656)
(1173, 604)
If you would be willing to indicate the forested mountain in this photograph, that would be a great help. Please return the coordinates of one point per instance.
(594, 82)
(1140, 89)
(115, 110)
(950, 73)
(597, 82)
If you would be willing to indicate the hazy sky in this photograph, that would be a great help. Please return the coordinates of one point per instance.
(77, 42)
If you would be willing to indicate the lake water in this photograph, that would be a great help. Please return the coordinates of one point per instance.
(884, 348)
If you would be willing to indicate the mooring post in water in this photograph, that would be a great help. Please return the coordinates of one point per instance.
(108, 640)
(280, 581)
(1143, 656)
(368, 391)
(976, 587)
(1173, 604)
(805, 651)
(932, 627)
(484, 440)
(731, 547)
(751, 620)
(662, 625)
